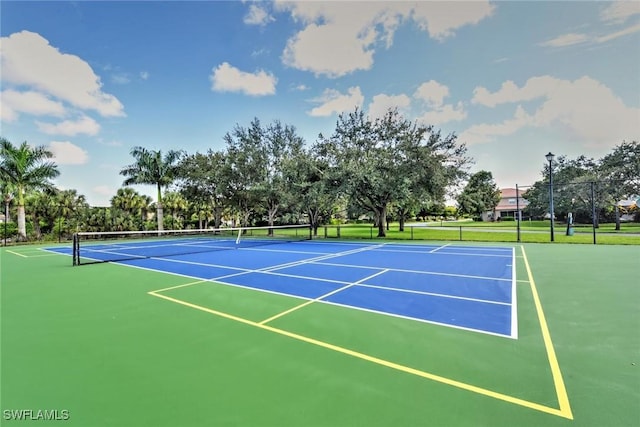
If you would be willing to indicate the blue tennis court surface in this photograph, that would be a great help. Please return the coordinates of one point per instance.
(471, 288)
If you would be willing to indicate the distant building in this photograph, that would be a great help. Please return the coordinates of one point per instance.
(507, 206)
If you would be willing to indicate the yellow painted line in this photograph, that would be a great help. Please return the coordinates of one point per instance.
(392, 365)
(561, 391)
(181, 286)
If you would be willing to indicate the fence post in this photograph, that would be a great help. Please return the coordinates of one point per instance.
(593, 211)
(517, 213)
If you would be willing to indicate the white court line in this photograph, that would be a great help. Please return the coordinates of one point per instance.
(435, 273)
(514, 298)
(411, 291)
(296, 263)
(437, 249)
(417, 319)
(445, 253)
(321, 297)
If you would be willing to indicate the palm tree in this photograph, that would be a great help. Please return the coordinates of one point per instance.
(177, 204)
(152, 168)
(26, 168)
(42, 205)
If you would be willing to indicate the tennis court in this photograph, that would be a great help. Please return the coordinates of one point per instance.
(211, 331)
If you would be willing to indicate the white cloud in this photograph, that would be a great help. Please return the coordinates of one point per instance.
(121, 78)
(257, 16)
(84, 125)
(509, 92)
(144, 75)
(566, 40)
(66, 153)
(574, 39)
(620, 11)
(584, 110)
(615, 35)
(433, 95)
(323, 50)
(341, 37)
(226, 78)
(382, 103)
(444, 114)
(29, 102)
(105, 190)
(432, 92)
(333, 101)
(441, 18)
(29, 60)
(487, 132)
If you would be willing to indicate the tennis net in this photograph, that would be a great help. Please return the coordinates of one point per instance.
(113, 246)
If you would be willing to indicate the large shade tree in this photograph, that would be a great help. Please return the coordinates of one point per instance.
(481, 194)
(377, 163)
(306, 178)
(151, 167)
(204, 180)
(26, 168)
(583, 184)
(620, 171)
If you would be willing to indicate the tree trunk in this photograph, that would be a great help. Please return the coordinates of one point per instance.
(381, 213)
(160, 218)
(314, 216)
(271, 213)
(617, 218)
(159, 209)
(22, 226)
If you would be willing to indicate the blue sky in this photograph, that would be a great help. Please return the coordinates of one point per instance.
(514, 80)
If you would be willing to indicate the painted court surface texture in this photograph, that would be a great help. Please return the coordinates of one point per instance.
(323, 333)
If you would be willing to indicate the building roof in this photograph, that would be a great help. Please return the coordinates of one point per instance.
(510, 192)
(508, 200)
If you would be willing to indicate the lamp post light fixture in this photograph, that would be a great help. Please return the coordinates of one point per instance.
(550, 156)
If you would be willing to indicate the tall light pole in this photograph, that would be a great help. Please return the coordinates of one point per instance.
(550, 158)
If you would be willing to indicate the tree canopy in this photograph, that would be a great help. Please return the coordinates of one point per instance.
(388, 160)
(25, 168)
(481, 194)
(151, 167)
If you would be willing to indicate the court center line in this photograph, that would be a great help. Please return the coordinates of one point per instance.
(272, 268)
(379, 361)
(413, 291)
(321, 297)
(467, 276)
(438, 248)
(561, 391)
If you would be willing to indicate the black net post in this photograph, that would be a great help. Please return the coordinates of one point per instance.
(76, 249)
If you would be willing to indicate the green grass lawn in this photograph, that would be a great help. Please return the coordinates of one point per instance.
(534, 232)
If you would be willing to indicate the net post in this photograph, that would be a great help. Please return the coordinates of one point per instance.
(76, 249)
